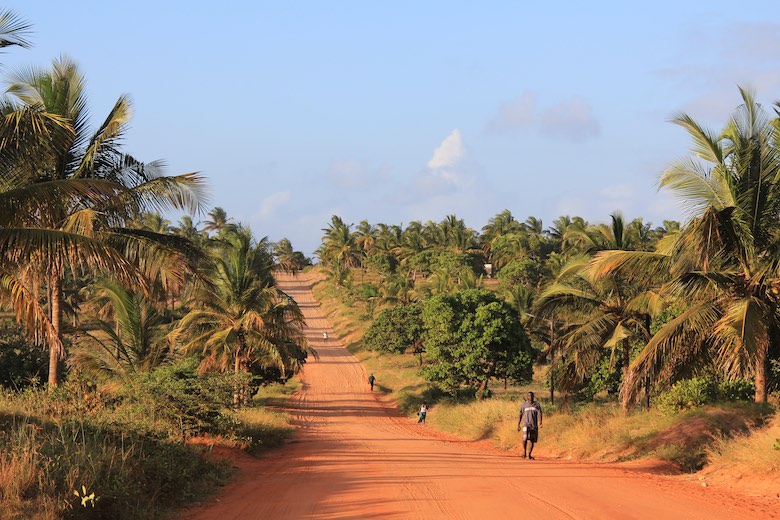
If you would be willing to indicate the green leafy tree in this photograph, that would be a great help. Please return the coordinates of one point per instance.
(471, 337)
(396, 330)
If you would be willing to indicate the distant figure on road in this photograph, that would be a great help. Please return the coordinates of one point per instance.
(530, 421)
(371, 380)
(422, 413)
(324, 336)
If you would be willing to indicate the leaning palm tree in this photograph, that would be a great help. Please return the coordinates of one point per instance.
(240, 319)
(725, 264)
(104, 190)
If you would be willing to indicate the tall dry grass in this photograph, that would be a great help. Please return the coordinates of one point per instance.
(757, 452)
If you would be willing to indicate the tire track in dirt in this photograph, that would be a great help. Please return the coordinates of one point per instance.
(355, 457)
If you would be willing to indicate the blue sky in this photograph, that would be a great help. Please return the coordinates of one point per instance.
(401, 111)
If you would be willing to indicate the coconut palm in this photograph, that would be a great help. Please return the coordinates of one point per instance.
(13, 30)
(241, 320)
(218, 220)
(603, 313)
(339, 246)
(501, 224)
(724, 266)
(103, 190)
(130, 335)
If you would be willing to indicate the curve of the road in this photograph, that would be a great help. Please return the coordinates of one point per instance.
(355, 457)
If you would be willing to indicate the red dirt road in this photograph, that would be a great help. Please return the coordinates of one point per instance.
(355, 457)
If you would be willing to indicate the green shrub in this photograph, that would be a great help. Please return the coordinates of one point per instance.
(737, 390)
(21, 363)
(689, 393)
(185, 402)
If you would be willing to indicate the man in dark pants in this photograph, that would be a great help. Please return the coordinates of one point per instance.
(530, 421)
(371, 380)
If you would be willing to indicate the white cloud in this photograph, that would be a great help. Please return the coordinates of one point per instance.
(445, 173)
(514, 115)
(448, 154)
(570, 119)
(271, 204)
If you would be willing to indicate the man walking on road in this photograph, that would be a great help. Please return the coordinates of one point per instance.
(530, 421)
(371, 380)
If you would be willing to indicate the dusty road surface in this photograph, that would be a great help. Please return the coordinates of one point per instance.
(356, 458)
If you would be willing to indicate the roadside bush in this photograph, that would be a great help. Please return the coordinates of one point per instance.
(737, 390)
(689, 393)
(182, 401)
(119, 474)
(697, 391)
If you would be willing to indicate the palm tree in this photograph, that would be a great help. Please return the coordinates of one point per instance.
(725, 264)
(580, 238)
(186, 228)
(219, 220)
(501, 224)
(130, 335)
(103, 191)
(286, 257)
(13, 30)
(603, 312)
(241, 319)
(366, 235)
(339, 246)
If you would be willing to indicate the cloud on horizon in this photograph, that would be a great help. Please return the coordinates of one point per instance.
(271, 204)
(571, 119)
(354, 175)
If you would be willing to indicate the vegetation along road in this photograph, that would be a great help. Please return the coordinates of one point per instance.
(357, 457)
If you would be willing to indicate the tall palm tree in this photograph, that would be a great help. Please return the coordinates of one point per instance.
(241, 319)
(113, 189)
(580, 238)
(725, 264)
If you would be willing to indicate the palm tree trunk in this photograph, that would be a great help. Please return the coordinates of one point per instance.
(552, 363)
(236, 392)
(761, 369)
(626, 362)
(55, 346)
